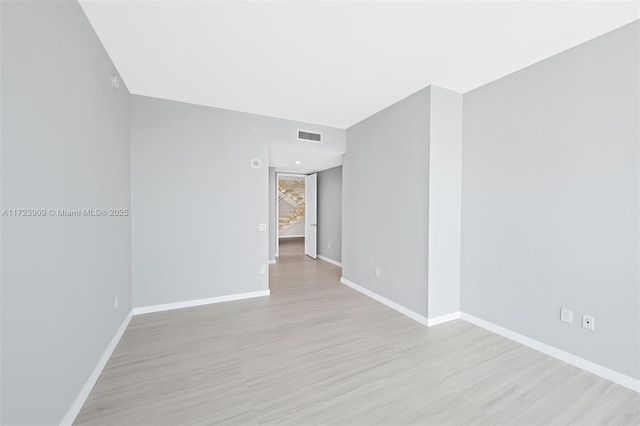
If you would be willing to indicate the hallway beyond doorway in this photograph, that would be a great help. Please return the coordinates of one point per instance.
(290, 248)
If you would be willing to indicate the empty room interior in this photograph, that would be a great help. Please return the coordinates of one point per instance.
(354, 213)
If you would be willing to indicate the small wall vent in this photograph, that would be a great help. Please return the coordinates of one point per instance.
(305, 135)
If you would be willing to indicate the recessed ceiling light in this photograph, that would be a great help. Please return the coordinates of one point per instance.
(298, 162)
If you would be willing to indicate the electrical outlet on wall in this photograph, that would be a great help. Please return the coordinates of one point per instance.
(328, 245)
(378, 272)
(588, 322)
(263, 269)
(116, 302)
(566, 315)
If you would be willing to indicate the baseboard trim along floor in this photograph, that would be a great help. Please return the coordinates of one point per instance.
(326, 259)
(576, 361)
(71, 415)
(198, 302)
(571, 359)
(75, 408)
(431, 321)
(393, 305)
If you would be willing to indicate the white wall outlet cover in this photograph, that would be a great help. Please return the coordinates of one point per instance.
(255, 163)
(262, 227)
(378, 272)
(566, 315)
(588, 322)
(115, 82)
(263, 269)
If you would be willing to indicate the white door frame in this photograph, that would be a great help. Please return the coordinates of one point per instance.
(277, 218)
(311, 213)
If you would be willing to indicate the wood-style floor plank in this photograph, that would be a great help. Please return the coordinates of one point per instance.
(318, 352)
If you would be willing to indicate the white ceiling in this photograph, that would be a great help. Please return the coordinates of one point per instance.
(333, 63)
(284, 158)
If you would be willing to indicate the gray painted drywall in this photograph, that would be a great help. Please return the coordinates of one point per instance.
(189, 165)
(273, 220)
(65, 145)
(550, 200)
(385, 202)
(445, 181)
(330, 213)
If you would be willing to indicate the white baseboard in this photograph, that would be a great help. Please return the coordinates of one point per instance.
(326, 259)
(393, 305)
(75, 408)
(576, 361)
(290, 236)
(431, 321)
(198, 302)
(271, 262)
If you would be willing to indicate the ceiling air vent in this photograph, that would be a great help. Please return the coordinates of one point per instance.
(305, 135)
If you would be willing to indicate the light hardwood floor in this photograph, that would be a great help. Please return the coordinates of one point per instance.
(318, 352)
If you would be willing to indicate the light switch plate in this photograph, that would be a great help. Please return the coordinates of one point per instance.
(262, 227)
(566, 315)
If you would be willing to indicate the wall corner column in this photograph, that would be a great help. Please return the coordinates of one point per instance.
(445, 195)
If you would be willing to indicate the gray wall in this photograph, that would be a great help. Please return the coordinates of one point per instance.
(385, 202)
(551, 197)
(330, 213)
(65, 144)
(189, 165)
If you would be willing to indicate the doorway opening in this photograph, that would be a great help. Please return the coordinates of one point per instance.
(296, 213)
(291, 213)
(317, 216)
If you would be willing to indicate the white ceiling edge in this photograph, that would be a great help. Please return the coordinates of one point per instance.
(334, 63)
(284, 158)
